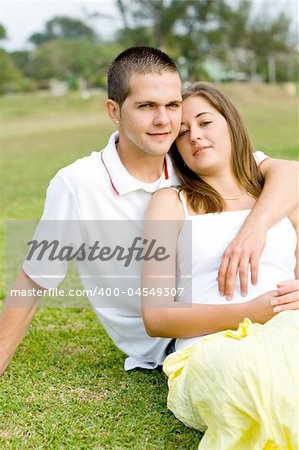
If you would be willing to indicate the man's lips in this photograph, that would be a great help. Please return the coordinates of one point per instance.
(161, 134)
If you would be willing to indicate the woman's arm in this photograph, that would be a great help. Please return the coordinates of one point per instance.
(184, 321)
(277, 199)
(162, 315)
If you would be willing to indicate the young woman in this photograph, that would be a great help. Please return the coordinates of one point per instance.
(240, 386)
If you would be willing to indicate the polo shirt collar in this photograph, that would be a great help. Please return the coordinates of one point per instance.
(122, 182)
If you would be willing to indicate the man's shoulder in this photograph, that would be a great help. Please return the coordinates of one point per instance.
(87, 167)
(83, 167)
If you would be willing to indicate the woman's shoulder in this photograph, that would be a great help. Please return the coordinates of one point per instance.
(165, 204)
(167, 193)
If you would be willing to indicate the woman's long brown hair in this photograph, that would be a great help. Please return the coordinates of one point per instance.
(201, 197)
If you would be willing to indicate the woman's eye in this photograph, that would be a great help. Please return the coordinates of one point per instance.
(205, 123)
(183, 133)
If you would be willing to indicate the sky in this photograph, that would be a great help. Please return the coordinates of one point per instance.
(22, 18)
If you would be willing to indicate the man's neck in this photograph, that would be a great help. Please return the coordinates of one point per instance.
(145, 168)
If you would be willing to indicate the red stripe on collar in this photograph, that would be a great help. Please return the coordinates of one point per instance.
(112, 184)
(166, 174)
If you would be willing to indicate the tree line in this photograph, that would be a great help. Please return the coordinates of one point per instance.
(210, 40)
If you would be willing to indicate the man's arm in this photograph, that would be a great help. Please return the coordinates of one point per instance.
(16, 316)
(278, 198)
(288, 290)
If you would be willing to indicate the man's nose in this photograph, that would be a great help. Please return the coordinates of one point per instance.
(161, 117)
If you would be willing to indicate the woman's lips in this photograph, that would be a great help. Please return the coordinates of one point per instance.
(202, 149)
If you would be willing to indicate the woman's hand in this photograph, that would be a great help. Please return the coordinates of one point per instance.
(265, 306)
(287, 296)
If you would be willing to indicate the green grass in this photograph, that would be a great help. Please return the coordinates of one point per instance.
(271, 116)
(66, 387)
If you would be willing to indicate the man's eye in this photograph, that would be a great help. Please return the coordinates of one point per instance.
(145, 106)
(173, 106)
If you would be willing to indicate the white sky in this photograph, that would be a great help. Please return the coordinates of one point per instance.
(22, 18)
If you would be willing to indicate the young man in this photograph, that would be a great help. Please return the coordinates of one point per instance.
(144, 91)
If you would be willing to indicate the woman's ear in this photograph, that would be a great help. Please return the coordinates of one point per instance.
(113, 110)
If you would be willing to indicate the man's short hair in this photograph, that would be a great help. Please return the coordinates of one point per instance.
(141, 60)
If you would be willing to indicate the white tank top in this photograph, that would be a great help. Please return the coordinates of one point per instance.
(211, 233)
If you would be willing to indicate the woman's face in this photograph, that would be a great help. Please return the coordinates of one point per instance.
(204, 139)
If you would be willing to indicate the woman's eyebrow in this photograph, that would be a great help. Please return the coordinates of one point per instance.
(198, 115)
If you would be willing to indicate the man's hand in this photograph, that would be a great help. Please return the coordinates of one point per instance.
(243, 252)
(287, 297)
(277, 200)
(15, 319)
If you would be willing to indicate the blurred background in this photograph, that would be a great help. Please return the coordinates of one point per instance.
(214, 40)
(53, 62)
(66, 387)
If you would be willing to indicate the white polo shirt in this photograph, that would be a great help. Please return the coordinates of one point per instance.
(99, 188)
(96, 188)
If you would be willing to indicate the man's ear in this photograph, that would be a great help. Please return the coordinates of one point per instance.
(113, 110)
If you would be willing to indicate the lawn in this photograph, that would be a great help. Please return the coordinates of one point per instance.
(66, 387)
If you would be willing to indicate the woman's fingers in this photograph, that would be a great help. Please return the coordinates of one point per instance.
(289, 301)
(287, 286)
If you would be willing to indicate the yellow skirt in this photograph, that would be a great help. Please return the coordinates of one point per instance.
(240, 387)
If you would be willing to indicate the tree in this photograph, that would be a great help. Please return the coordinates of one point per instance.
(269, 39)
(2, 32)
(67, 59)
(198, 30)
(10, 76)
(61, 27)
(22, 60)
(183, 28)
(150, 23)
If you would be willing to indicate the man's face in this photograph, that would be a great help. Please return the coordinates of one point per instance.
(150, 117)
